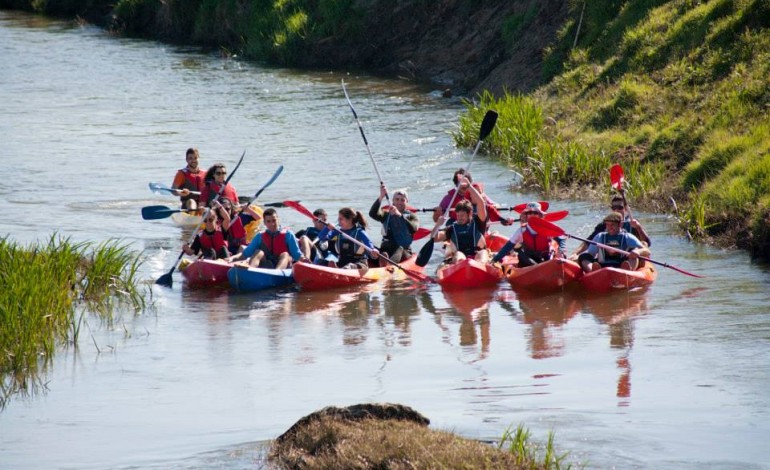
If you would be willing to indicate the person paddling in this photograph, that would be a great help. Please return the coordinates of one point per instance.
(398, 226)
(595, 257)
(466, 235)
(235, 221)
(463, 194)
(274, 247)
(629, 224)
(215, 178)
(351, 255)
(309, 239)
(531, 247)
(210, 243)
(188, 179)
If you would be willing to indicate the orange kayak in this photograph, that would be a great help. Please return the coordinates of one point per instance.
(495, 241)
(206, 272)
(614, 279)
(316, 277)
(548, 276)
(468, 274)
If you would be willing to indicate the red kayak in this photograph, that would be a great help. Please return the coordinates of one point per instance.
(495, 241)
(316, 277)
(548, 276)
(614, 279)
(468, 274)
(206, 272)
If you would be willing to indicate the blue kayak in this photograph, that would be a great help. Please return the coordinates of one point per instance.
(258, 278)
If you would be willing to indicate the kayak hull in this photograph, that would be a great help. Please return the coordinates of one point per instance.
(206, 272)
(185, 219)
(549, 276)
(316, 277)
(615, 279)
(468, 274)
(254, 279)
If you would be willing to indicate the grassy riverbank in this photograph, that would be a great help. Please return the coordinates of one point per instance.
(675, 91)
(48, 290)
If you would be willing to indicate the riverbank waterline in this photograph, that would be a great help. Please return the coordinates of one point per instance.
(643, 379)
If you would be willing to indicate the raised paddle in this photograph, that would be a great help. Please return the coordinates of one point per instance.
(166, 279)
(487, 124)
(417, 235)
(552, 230)
(413, 274)
(162, 212)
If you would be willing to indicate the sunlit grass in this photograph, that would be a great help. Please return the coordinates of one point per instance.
(47, 287)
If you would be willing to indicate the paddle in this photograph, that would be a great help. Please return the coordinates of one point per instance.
(518, 208)
(413, 274)
(487, 124)
(159, 188)
(420, 233)
(552, 230)
(166, 279)
(617, 180)
(163, 212)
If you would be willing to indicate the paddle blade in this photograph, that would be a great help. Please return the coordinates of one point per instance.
(166, 279)
(487, 124)
(617, 178)
(157, 212)
(275, 204)
(299, 208)
(421, 233)
(554, 216)
(158, 188)
(544, 227)
(425, 253)
(544, 205)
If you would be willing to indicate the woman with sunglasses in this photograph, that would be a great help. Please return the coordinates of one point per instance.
(210, 243)
(215, 178)
(531, 247)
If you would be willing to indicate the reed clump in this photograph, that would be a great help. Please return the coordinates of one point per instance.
(47, 288)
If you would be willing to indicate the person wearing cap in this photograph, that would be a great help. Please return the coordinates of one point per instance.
(312, 240)
(188, 179)
(398, 225)
(531, 247)
(466, 235)
(614, 236)
(629, 224)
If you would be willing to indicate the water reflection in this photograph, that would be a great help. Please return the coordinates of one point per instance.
(545, 315)
(618, 312)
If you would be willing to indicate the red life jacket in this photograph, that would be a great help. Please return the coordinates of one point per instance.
(236, 234)
(536, 243)
(215, 240)
(209, 192)
(193, 181)
(273, 244)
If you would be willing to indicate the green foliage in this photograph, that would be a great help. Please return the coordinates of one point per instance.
(36, 316)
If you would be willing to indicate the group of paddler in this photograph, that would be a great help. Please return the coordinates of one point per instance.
(462, 220)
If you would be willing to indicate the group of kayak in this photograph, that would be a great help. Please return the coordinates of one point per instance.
(230, 249)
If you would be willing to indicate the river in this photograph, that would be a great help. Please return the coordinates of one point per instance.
(672, 377)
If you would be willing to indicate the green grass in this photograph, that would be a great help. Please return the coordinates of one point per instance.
(675, 91)
(47, 287)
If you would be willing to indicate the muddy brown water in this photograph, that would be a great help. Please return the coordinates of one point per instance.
(672, 377)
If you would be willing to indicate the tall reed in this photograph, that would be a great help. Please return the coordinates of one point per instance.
(44, 285)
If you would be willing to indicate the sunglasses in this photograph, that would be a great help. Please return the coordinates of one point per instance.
(220, 173)
(617, 208)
